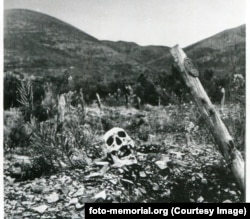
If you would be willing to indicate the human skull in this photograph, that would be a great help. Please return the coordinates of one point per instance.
(120, 147)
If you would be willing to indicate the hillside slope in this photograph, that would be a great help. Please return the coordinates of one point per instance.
(39, 44)
(223, 52)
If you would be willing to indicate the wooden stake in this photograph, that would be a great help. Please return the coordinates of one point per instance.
(61, 107)
(211, 117)
(98, 101)
(222, 103)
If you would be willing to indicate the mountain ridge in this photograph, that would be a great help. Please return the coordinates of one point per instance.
(39, 44)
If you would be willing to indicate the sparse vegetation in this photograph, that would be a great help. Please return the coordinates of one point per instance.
(53, 126)
(193, 169)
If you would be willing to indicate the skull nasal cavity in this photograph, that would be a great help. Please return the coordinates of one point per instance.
(118, 141)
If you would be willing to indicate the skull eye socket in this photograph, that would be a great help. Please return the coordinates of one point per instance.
(118, 141)
(121, 134)
(110, 141)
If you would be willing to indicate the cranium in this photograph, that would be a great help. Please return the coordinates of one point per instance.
(120, 147)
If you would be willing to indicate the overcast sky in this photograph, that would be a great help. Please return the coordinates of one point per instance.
(146, 22)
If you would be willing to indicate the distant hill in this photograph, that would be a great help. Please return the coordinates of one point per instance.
(142, 54)
(223, 52)
(38, 44)
(222, 40)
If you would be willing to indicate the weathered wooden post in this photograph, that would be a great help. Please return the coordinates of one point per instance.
(83, 103)
(211, 117)
(222, 102)
(61, 107)
(98, 100)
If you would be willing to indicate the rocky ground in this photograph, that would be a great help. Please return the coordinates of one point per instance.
(174, 165)
(170, 177)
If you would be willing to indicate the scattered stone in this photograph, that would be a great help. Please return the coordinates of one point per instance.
(19, 211)
(37, 189)
(200, 199)
(204, 181)
(142, 174)
(28, 203)
(37, 198)
(227, 201)
(27, 214)
(42, 181)
(58, 186)
(12, 202)
(79, 192)
(30, 197)
(101, 195)
(161, 164)
(73, 201)
(166, 194)
(127, 181)
(155, 187)
(79, 206)
(54, 209)
(40, 209)
(143, 191)
(75, 184)
(191, 200)
(120, 170)
(51, 183)
(52, 198)
(232, 193)
(113, 181)
(53, 177)
(10, 180)
(86, 199)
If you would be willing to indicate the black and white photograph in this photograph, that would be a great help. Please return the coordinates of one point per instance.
(122, 101)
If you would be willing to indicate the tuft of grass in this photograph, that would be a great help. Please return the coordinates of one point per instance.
(26, 98)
